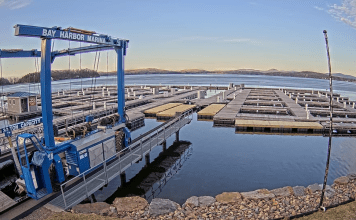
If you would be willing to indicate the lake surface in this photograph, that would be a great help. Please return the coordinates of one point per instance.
(223, 161)
(346, 88)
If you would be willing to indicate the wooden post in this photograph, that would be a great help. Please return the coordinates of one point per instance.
(164, 146)
(147, 159)
(123, 179)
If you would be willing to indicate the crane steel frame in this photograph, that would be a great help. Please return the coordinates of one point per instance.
(104, 42)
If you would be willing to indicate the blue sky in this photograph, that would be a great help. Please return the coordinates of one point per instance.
(203, 34)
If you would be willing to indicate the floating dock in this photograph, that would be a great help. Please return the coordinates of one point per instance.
(172, 112)
(210, 111)
(153, 111)
(278, 126)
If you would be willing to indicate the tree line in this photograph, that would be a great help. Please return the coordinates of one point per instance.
(56, 75)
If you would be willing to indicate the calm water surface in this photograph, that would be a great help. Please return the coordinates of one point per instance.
(224, 161)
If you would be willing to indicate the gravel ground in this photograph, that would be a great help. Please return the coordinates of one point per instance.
(39, 214)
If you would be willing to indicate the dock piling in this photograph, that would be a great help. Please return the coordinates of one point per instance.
(123, 179)
(164, 146)
(147, 159)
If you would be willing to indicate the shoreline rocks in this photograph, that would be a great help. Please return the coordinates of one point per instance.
(162, 206)
(282, 202)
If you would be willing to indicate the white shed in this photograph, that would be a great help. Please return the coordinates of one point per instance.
(21, 102)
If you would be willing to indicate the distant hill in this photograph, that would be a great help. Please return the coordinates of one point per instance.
(271, 72)
(344, 76)
(60, 75)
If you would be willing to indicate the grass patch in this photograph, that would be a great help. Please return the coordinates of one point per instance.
(346, 211)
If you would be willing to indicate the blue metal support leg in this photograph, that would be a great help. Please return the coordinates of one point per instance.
(120, 83)
(46, 92)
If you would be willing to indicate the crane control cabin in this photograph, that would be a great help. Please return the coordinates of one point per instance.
(42, 171)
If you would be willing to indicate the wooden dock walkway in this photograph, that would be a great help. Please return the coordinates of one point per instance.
(214, 99)
(295, 109)
(227, 115)
(6, 202)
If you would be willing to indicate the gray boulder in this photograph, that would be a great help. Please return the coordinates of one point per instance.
(283, 192)
(206, 201)
(315, 187)
(352, 176)
(299, 190)
(192, 202)
(258, 194)
(162, 206)
(343, 180)
(201, 201)
(329, 192)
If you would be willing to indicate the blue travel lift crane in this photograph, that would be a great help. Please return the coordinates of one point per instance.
(44, 170)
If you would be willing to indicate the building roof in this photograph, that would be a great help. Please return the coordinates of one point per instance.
(22, 94)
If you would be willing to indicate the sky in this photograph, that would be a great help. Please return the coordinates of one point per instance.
(192, 34)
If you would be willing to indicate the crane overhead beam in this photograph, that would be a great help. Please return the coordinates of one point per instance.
(74, 51)
(68, 34)
(16, 53)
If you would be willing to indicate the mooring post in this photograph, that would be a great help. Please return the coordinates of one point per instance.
(147, 159)
(177, 136)
(123, 179)
(92, 198)
(164, 146)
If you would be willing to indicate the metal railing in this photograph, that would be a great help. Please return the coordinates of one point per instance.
(88, 182)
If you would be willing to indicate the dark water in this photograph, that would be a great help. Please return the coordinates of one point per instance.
(224, 161)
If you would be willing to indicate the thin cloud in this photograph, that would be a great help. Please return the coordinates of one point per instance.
(14, 4)
(319, 8)
(238, 40)
(346, 12)
(220, 39)
(200, 38)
